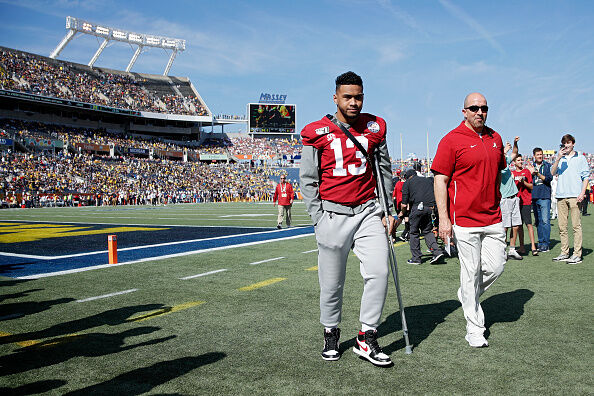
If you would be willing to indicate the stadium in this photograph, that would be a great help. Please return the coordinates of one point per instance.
(205, 294)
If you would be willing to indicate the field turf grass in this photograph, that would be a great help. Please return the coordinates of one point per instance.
(253, 328)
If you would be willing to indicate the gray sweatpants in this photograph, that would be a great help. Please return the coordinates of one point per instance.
(336, 234)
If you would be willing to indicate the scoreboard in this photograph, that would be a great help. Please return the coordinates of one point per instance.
(271, 118)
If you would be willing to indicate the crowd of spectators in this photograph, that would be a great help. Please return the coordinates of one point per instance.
(262, 147)
(101, 180)
(41, 76)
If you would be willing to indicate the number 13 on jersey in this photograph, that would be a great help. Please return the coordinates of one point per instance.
(352, 168)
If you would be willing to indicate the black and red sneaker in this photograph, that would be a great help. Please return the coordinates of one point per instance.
(331, 344)
(368, 348)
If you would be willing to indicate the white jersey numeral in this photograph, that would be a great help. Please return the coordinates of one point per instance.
(354, 170)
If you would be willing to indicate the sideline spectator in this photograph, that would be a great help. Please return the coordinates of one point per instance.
(510, 202)
(573, 171)
(541, 198)
(523, 179)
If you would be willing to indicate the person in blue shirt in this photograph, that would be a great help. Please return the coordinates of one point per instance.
(541, 198)
(574, 172)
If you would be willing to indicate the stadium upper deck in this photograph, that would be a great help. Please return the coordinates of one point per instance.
(35, 74)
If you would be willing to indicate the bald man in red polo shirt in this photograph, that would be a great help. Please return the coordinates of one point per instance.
(467, 169)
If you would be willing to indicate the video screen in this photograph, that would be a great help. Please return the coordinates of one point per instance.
(271, 118)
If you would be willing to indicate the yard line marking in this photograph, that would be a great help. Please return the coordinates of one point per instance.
(314, 268)
(107, 295)
(261, 284)
(267, 260)
(310, 251)
(204, 274)
(164, 311)
(166, 256)
(25, 343)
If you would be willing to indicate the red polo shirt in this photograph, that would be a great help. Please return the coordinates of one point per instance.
(472, 162)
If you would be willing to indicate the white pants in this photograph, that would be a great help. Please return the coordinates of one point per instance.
(336, 234)
(482, 255)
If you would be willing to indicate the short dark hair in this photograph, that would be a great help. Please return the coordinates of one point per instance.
(417, 166)
(536, 150)
(349, 78)
(567, 138)
(519, 155)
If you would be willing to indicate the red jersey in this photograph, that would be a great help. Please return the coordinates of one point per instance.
(397, 194)
(345, 176)
(473, 164)
(283, 194)
(524, 193)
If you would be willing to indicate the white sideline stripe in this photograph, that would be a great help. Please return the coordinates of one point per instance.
(107, 295)
(131, 248)
(267, 260)
(310, 251)
(204, 274)
(72, 271)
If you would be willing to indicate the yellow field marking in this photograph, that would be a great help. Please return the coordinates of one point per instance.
(34, 232)
(25, 343)
(400, 244)
(261, 284)
(165, 311)
(314, 268)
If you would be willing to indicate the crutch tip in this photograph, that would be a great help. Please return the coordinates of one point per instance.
(408, 349)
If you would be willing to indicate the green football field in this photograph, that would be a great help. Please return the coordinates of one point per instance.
(244, 319)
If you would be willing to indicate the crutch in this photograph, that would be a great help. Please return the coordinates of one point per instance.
(392, 255)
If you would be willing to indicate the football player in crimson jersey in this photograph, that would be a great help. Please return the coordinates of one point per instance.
(338, 189)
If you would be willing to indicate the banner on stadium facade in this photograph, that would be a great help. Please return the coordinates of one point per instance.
(141, 151)
(6, 142)
(243, 156)
(213, 157)
(170, 154)
(92, 147)
(44, 143)
(193, 155)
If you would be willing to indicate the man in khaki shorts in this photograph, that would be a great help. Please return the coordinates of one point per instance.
(510, 203)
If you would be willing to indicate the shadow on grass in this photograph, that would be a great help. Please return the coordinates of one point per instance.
(144, 379)
(17, 295)
(111, 317)
(505, 307)
(17, 310)
(33, 388)
(59, 350)
(421, 321)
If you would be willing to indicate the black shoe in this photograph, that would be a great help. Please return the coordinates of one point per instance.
(331, 344)
(278, 227)
(368, 348)
(436, 258)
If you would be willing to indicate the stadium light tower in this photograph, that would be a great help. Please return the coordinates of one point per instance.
(141, 40)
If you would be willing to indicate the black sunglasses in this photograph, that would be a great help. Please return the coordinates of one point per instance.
(474, 109)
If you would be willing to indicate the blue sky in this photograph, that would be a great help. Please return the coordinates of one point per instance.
(533, 60)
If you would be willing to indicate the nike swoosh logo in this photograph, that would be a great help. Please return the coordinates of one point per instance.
(364, 348)
(473, 146)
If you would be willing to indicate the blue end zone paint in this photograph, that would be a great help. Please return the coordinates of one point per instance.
(15, 267)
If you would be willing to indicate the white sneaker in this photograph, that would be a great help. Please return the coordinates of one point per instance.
(513, 254)
(574, 260)
(561, 257)
(476, 340)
